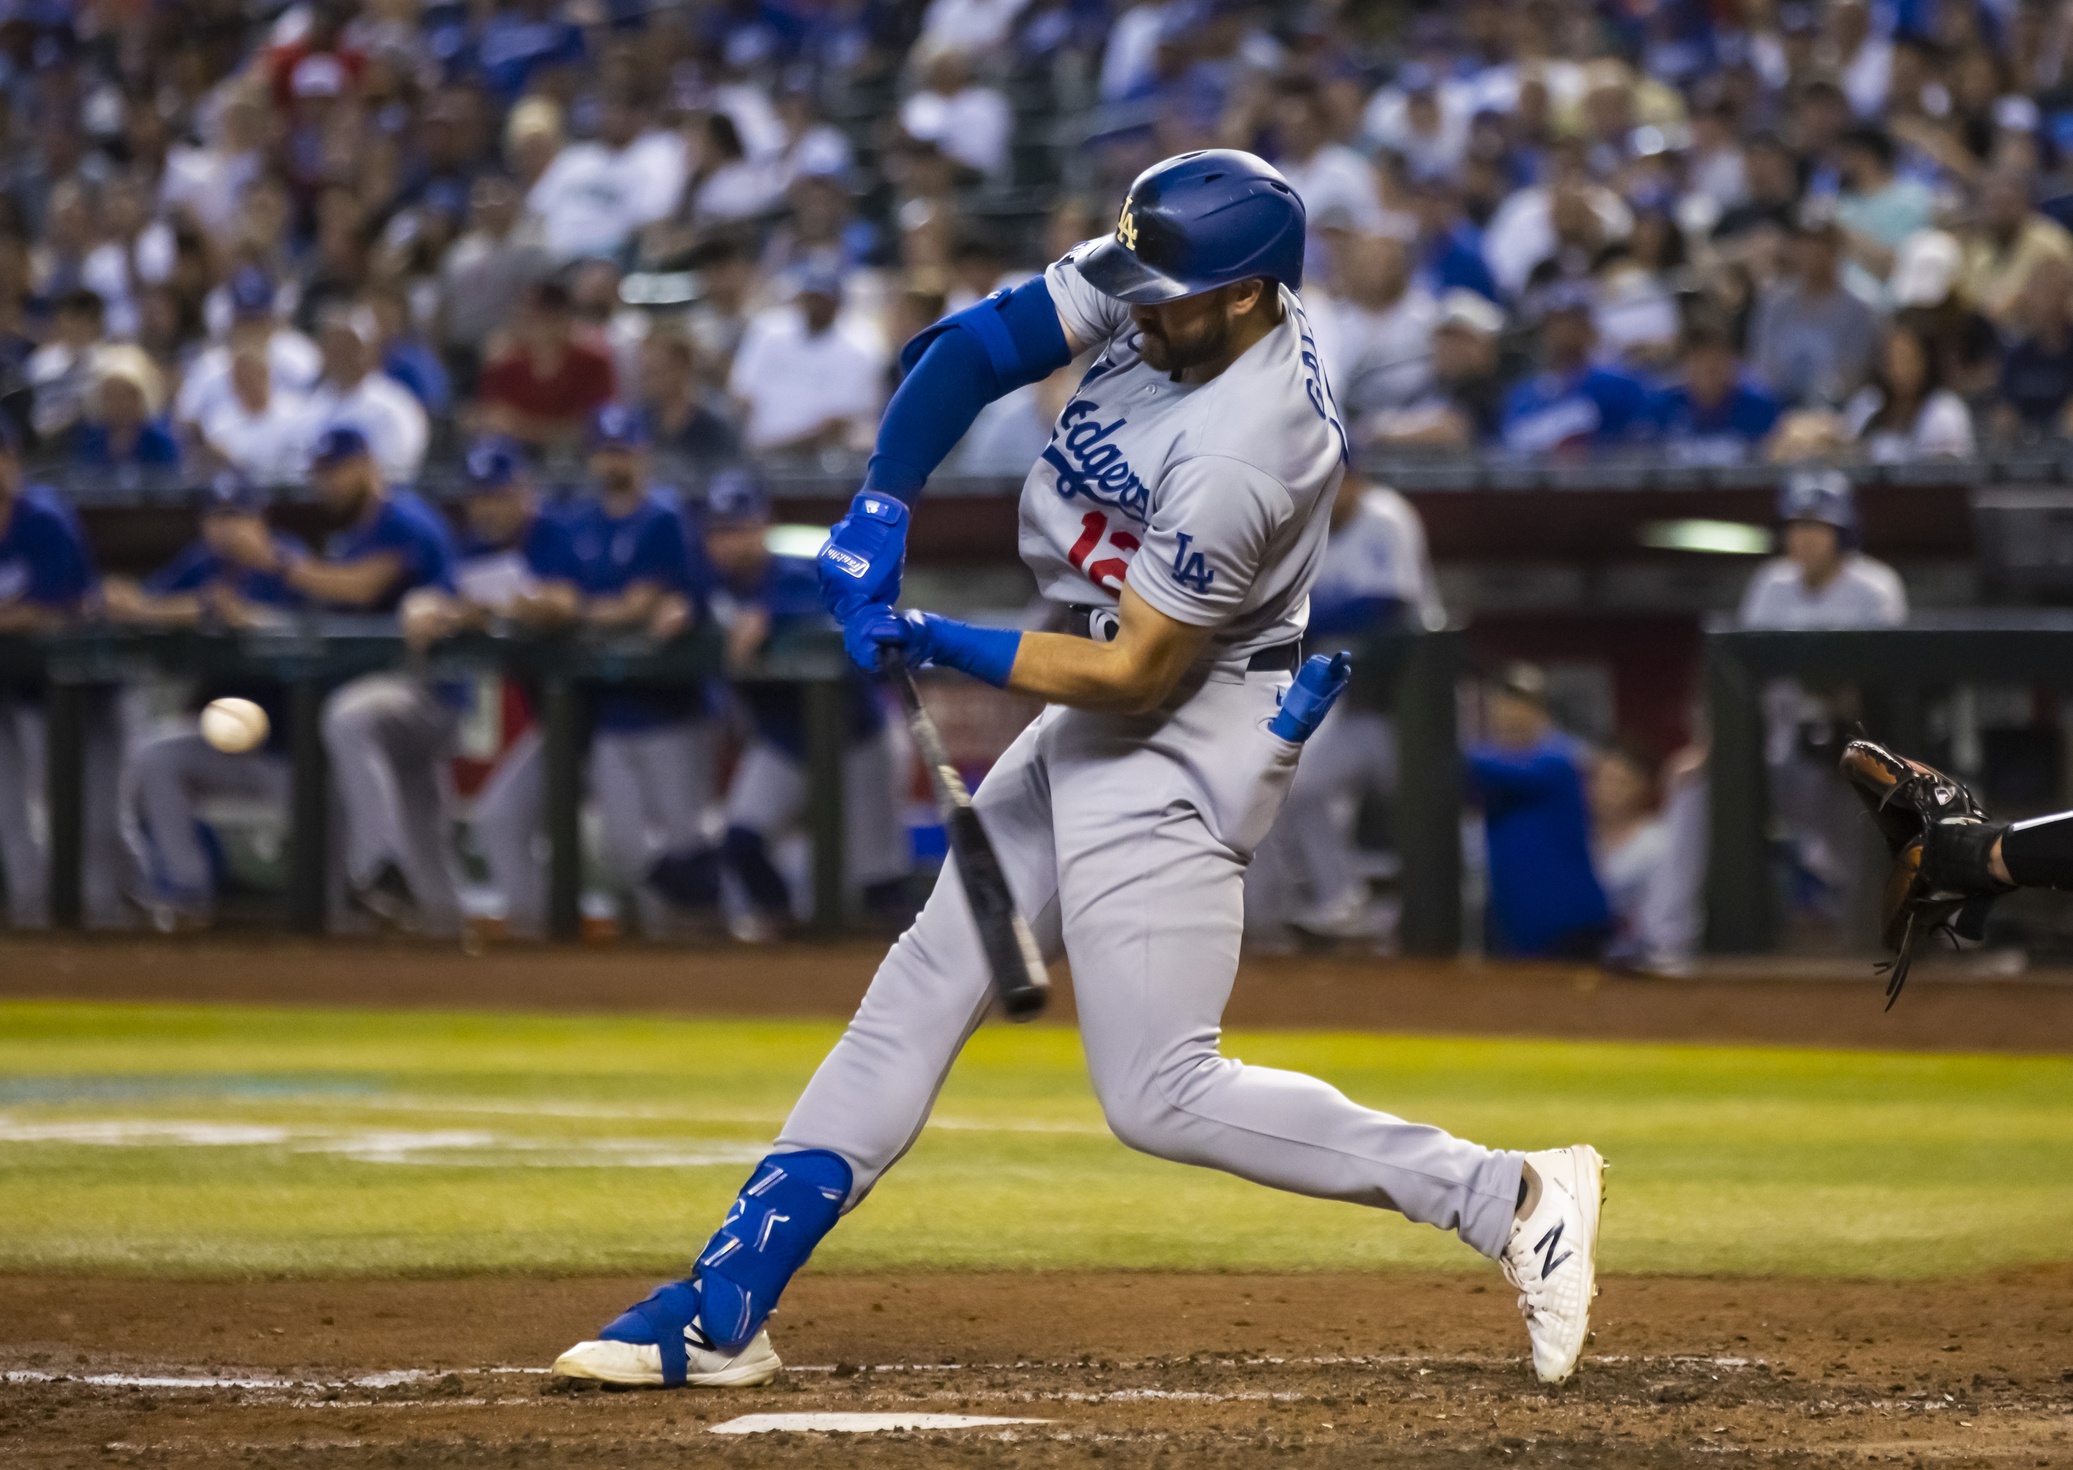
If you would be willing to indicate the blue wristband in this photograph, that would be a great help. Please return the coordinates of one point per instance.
(987, 654)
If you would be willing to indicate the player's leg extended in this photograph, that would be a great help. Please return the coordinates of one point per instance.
(864, 1108)
(22, 861)
(1151, 841)
(169, 775)
(509, 813)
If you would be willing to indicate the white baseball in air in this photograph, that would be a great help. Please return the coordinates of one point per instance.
(234, 726)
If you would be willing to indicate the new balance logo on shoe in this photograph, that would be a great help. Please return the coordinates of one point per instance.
(1546, 1247)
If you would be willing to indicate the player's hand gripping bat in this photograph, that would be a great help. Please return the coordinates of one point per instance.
(1011, 953)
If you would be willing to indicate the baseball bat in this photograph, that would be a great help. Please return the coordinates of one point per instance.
(1011, 953)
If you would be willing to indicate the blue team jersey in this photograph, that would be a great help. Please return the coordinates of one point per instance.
(410, 528)
(652, 543)
(197, 567)
(1725, 433)
(43, 554)
(547, 550)
(1587, 409)
(790, 592)
(1544, 892)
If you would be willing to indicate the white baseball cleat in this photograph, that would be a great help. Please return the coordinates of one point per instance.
(1552, 1257)
(639, 1364)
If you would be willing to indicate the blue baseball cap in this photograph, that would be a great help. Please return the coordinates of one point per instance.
(616, 426)
(251, 292)
(336, 445)
(493, 463)
(735, 497)
(232, 493)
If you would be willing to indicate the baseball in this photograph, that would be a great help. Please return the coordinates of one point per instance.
(234, 726)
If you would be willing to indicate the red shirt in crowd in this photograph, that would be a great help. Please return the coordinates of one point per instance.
(584, 382)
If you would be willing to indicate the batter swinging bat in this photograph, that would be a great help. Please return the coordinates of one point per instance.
(1011, 953)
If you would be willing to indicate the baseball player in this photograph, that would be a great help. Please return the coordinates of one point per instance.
(757, 597)
(169, 774)
(1178, 516)
(46, 578)
(389, 736)
(517, 565)
(1374, 574)
(651, 748)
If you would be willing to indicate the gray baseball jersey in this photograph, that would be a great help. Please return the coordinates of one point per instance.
(1212, 500)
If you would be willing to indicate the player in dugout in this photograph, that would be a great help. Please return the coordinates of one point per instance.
(389, 735)
(758, 597)
(170, 773)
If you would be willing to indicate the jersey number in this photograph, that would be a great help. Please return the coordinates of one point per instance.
(1109, 571)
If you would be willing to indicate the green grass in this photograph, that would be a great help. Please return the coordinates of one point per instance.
(442, 1141)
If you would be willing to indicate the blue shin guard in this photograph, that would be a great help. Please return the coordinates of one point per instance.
(780, 1215)
(789, 1203)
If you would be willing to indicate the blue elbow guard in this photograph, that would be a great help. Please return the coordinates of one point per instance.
(789, 1203)
(955, 368)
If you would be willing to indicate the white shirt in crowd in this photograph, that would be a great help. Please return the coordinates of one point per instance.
(209, 184)
(1132, 52)
(793, 383)
(1388, 123)
(1375, 359)
(1336, 183)
(593, 197)
(966, 25)
(118, 273)
(382, 409)
(1522, 232)
(971, 126)
(293, 360)
(1942, 426)
(1866, 593)
(270, 447)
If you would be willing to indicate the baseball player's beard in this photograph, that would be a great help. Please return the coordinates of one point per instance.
(1175, 356)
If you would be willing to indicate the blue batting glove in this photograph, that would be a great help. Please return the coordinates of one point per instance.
(860, 564)
(1319, 683)
(869, 631)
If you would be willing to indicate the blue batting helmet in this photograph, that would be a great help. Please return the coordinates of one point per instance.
(1821, 495)
(1196, 222)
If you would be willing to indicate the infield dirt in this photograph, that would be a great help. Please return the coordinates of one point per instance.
(1182, 1370)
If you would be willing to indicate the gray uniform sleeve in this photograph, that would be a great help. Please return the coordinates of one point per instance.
(1214, 523)
(1092, 319)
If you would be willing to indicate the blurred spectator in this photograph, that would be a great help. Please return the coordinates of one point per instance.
(353, 394)
(1906, 412)
(1572, 403)
(1638, 279)
(61, 371)
(207, 182)
(259, 430)
(1545, 900)
(1877, 209)
(2010, 239)
(486, 274)
(122, 429)
(405, 356)
(135, 251)
(1450, 249)
(1771, 198)
(549, 376)
(1420, 119)
(1652, 925)
(523, 41)
(1334, 182)
(969, 121)
(1374, 328)
(597, 195)
(1472, 376)
(1553, 232)
(2037, 374)
(293, 361)
(803, 380)
(683, 420)
(719, 318)
(1717, 414)
(1924, 284)
(1811, 340)
(724, 183)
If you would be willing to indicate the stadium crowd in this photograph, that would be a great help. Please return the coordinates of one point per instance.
(625, 249)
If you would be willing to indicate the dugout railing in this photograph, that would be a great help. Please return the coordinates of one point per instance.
(1413, 674)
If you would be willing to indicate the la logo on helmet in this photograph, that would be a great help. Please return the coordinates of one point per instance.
(1126, 227)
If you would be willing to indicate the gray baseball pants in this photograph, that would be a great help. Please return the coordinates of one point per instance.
(24, 859)
(1125, 841)
(389, 738)
(768, 795)
(169, 776)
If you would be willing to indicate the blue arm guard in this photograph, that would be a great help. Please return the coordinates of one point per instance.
(954, 369)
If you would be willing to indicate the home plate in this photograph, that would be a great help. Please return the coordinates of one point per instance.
(857, 1423)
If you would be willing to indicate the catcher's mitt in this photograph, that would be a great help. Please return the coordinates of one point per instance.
(1940, 839)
